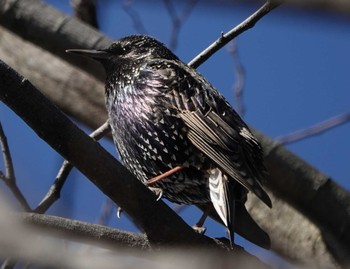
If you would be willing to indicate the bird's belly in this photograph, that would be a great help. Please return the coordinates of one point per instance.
(149, 151)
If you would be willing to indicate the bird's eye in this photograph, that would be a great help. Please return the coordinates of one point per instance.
(117, 49)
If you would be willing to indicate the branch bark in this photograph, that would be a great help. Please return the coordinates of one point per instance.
(68, 87)
(54, 32)
(83, 232)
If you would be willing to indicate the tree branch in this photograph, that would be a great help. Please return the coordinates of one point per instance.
(313, 130)
(10, 178)
(311, 192)
(93, 234)
(55, 190)
(54, 31)
(85, 10)
(134, 16)
(177, 21)
(240, 28)
(240, 78)
(71, 88)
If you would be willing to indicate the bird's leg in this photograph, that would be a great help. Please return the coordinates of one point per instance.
(198, 227)
(158, 191)
(164, 175)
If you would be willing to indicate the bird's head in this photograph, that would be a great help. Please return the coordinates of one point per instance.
(128, 50)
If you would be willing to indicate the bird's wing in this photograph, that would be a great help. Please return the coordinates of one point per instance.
(222, 144)
(211, 124)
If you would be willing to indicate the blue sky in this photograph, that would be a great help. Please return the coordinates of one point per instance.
(297, 66)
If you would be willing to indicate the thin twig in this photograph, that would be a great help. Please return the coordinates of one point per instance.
(315, 129)
(225, 38)
(10, 173)
(135, 17)
(10, 178)
(54, 192)
(238, 86)
(177, 21)
(101, 131)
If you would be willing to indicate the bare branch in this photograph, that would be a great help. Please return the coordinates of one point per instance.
(83, 232)
(85, 10)
(54, 32)
(135, 16)
(225, 38)
(239, 78)
(293, 236)
(10, 178)
(55, 190)
(101, 131)
(311, 192)
(313, 130)
(71, 88)
(177, 21)
(10, 173)
(119, 244)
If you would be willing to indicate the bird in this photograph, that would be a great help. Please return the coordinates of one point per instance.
(178, 135)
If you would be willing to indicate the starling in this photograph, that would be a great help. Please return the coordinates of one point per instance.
(177, 134)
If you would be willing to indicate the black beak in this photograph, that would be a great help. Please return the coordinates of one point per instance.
(95, 54)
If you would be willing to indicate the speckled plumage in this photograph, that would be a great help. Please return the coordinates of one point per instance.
(164, 114)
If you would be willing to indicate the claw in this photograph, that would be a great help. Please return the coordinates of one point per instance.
(119, 212)
(199, 229)
(157, 191)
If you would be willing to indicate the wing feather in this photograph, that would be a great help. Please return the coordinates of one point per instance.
(211, 124)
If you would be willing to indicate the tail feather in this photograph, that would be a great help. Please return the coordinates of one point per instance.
(223, 199)
(226, 199)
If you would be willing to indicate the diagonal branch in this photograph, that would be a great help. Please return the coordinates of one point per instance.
(10, 173)
(177, 20)
(314, 129)
(134, 16)
(10, 178)
(227, 37)
(54, 192)
(80, 231)
(240, 78)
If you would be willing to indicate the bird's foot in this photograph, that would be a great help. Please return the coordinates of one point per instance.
(157, 191)
(199, 229)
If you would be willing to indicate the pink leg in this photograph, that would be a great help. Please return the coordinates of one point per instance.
(164, 175)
